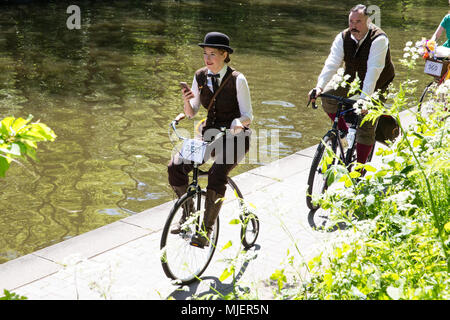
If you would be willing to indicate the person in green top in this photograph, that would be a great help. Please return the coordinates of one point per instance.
(445, 25)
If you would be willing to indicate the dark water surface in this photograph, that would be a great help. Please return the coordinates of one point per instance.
(110, 89)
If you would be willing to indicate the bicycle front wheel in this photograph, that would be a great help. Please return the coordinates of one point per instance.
(180, 260)
(426, 95)
(317, 183)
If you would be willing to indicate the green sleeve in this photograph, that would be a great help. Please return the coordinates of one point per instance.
(445, 23)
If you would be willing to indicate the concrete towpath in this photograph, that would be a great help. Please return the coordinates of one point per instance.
(121, 260)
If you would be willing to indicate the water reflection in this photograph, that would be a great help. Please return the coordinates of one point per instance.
(110, 89)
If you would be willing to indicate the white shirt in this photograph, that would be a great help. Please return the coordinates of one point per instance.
(375, 63)
(242, 92)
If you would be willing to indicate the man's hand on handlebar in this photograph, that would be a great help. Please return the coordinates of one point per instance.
(317, 91)
(313, 94)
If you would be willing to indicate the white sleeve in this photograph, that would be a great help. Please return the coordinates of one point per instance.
(375, 64)
(333, 62)
(195, 102)
(245, 102)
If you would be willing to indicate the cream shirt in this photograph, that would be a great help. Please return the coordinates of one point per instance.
(375, 63)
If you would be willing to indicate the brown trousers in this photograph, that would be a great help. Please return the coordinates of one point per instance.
(227, 155)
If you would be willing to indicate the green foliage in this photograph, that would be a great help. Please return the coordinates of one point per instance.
(18, 140)
(12, 296)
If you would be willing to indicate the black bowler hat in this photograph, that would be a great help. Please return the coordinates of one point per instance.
(217, 40)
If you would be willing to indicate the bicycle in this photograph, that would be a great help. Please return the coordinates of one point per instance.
(317, 180)
(181, 260)
(439, 69)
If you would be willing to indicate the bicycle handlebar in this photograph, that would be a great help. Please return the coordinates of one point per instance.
(181, 116)
(342, 100)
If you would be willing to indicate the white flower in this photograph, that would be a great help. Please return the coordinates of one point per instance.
(401, 197)
(409, 44)
(340, 71)
(406, 55)
(360, 106)
(370, 199)
(336, 78)
(443, 88)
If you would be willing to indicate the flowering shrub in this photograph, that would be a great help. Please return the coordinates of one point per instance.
(398, 246)
(397, 241)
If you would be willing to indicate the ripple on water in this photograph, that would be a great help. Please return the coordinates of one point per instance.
(279, 103)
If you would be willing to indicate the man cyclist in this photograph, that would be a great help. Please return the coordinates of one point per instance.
(364, 49)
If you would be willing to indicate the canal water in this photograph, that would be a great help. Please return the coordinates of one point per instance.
(110, 89)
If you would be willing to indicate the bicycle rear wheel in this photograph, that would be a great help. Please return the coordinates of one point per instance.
(249, 220)
(317, 183)
(181, 261)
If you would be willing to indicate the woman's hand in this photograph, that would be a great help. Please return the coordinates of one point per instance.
(187, 94)
(236, 129)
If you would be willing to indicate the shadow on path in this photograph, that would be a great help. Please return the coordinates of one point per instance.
(319, 220)
(210, 285)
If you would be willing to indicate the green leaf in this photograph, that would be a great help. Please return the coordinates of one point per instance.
(381, 173)
(417, 142)
(354, 174)
(347, 181)
(315, 262)
(279, 277)
(369, 168)
(226, 246)
(6, 124)
(447, 227)
(19, 124)
(328, 279)
(235, 221)
(226, 273)
(4, 165)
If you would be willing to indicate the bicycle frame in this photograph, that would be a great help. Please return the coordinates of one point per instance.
(344, 157)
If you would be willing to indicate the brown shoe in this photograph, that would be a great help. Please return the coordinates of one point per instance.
(212, 208)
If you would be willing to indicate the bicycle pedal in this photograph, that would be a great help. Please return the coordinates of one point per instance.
(197, 245)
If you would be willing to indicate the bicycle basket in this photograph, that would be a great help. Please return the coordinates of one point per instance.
(193, 150)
